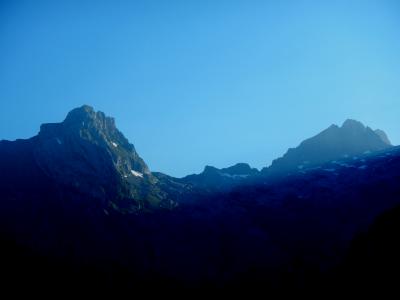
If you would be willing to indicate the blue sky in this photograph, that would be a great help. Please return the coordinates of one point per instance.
(195, 83)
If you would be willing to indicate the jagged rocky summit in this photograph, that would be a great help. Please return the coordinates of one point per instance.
(87, 153)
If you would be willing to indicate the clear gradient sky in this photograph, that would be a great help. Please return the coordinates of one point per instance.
(195, 83)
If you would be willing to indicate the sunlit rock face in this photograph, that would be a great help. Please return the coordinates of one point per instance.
(87, 139)
(87, 153)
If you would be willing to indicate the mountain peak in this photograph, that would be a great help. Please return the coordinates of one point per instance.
(383, 136)
(81, 113)
(237, 169)
(351, 139)
(88, 142)
(240, 169)
(81, 120)
(87, 116)
(351, 124)
(208, 169)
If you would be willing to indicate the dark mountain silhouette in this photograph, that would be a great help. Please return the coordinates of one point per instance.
(350, 140)
(221, 179)
(373, 261)
(80, 209)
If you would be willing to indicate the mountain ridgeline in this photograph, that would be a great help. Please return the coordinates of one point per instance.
(221, 179)
(80, 208)
(349, 141)
(334, 143)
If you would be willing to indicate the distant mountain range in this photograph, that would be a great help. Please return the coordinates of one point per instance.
(221, 179)
(78, 201)
(334, 143)
(88, 152)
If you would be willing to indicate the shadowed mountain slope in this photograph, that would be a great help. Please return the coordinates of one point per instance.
(349, 140)
(79, 207)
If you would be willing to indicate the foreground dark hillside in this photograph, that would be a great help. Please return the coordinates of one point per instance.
(373, 260)
(80, 209)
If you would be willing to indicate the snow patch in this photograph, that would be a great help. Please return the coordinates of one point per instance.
(114, 144)
(137, 174)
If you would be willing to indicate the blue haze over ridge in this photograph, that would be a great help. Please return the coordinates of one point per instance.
(195, 84)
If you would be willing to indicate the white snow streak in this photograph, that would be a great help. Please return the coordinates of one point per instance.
(137, 174)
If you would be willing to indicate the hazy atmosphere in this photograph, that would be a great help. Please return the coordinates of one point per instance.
(195, 83)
